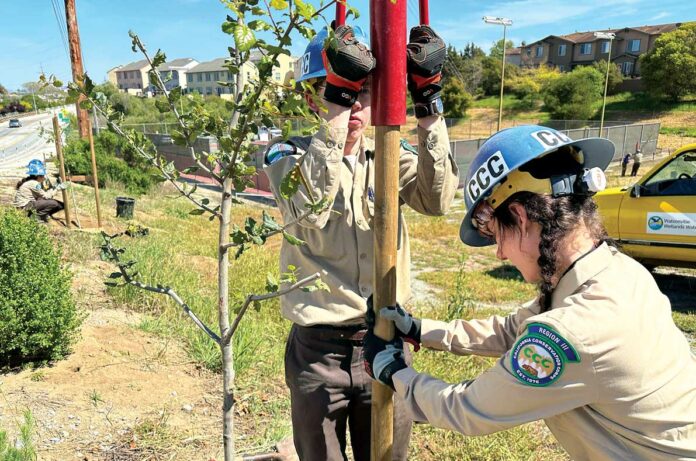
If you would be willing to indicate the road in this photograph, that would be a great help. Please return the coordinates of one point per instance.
(20, 145)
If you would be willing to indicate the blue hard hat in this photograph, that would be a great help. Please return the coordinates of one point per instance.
(36, 168)
(311, 63)
(502, 155)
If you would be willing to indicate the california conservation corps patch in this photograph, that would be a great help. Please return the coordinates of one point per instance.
(540, 356)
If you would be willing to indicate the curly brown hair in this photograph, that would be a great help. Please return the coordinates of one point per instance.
(558, 217)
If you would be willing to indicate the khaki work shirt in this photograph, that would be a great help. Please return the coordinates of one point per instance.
(340, 240)
(629, 395)
(30, 191)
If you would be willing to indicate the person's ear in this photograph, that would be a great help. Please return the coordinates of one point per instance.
(520, 213)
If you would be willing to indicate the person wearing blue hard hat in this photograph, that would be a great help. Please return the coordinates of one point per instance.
(31, 196)
(596, 355)
(329, 390)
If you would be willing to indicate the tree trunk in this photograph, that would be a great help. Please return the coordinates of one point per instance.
(224, 320)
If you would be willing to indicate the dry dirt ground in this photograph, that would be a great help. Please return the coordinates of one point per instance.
(119, 387)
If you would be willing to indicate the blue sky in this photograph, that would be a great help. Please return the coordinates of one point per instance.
(31, 40)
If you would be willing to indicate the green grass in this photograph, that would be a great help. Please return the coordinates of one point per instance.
(679, 131)
(643, 102)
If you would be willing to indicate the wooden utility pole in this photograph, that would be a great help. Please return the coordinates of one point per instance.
(59, 152)
(388, 41)
(76, 62)
(95, 178)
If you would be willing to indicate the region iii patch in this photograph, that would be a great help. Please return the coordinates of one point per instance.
(540, 356)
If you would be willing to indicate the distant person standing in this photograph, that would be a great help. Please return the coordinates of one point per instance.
(637, 158)
(624, 163)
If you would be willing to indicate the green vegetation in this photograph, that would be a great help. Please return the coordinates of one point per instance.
(645, 102)
(38, 319)
(572, 95)
(615, 75)
(116, 162)
(23, 449)
(668, 69)
(679, 131)
(455, 99)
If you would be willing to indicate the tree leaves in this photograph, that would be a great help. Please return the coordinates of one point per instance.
(291, 183)
(279, 4)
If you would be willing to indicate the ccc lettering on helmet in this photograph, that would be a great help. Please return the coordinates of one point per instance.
(486, 176)
(305, 63)
(550, 139)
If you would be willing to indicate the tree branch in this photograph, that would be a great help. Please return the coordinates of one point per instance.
(152, 161)
(275, 232)
(156, 289)
(251, 298)
(160, 83)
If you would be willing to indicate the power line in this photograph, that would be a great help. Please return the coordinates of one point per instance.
(62, 28)
(413, 9)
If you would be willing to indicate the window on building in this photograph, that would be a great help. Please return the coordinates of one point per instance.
(561, 67)
(200, 77)
(189, 78)
(605, 47)
(561, 50)
(276, 75)
(586, 48)
(539, 51)
(229, 76)
(634, 45)
(207, 77)
(627, 68)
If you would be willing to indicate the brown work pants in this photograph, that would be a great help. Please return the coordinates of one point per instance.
(331, 391)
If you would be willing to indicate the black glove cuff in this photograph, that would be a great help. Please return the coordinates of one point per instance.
(426, 94)
(415, 331)
(388, 372)
(341, 96)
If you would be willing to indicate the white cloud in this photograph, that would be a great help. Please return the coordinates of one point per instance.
(661, 15)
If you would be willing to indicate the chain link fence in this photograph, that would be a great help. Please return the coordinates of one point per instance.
(626, 138)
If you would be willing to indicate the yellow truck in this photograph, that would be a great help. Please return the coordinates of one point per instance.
(654, 220)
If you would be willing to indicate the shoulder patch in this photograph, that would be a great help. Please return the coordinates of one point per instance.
(278, 151)
(406, 146)
(540, 356)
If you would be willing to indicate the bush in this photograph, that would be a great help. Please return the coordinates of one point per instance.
(131, 170)
(455, 98)
(572, 95)
(38, 319)
(668, 69)
(615, 75)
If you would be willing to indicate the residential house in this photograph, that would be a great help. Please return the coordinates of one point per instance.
(111, 75)
(582, 48)
(173, 73)
(204, 77)
(513, 56)
(283, 70)
(132, 78)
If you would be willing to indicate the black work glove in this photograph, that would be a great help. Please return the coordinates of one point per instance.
(426, 56)
(347, 63)
(408, 327)
(383, 358)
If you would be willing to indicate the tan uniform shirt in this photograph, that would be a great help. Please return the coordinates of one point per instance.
(606, 368)
(29, 192)
(340, 240)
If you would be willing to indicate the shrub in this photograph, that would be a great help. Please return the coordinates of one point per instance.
(455, 98)
(130, 170)
(24, 447)
(38, 318)
(572, 95)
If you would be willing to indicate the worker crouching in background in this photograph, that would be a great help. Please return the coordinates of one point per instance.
(31, 195)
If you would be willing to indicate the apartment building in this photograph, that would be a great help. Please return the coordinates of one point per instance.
(132, 78)
(173, 73)
(204, 77)
(582, 48)
(283, 70)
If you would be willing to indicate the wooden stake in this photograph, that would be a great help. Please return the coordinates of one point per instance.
(386, 225)
(59, 153)
(95, 178)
